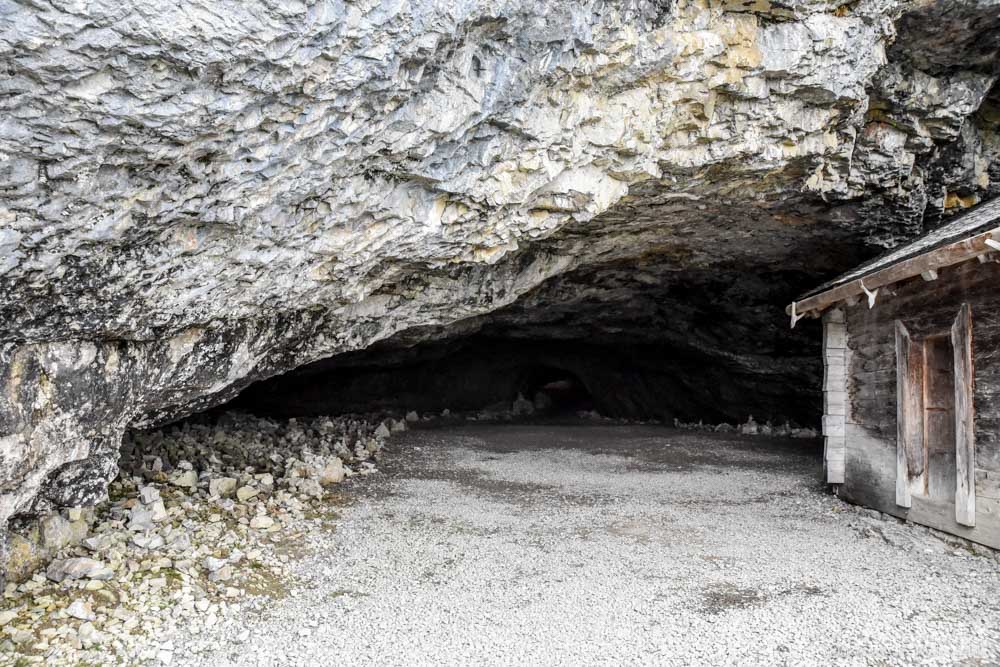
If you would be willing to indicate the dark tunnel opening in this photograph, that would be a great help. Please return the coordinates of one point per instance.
(554, 392)
(488, 377)
(636, 342)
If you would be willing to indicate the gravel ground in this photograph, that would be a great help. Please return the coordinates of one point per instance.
(587, 545)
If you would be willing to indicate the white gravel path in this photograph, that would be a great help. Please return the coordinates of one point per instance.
(594, 545)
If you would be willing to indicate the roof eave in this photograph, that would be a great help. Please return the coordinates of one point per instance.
(943, 256)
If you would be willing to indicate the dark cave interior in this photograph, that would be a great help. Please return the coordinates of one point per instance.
(630, 342)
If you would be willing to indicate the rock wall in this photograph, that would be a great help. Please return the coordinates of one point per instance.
(194, 195)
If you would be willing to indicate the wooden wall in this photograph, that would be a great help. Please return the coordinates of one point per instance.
(926, 309)
(834, 394)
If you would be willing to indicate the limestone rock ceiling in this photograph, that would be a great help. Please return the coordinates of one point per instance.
(194, 195)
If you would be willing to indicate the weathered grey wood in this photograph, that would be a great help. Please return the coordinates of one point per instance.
(835, 403)
(834, 394)
(987, 484)
(949, 255)
(927, 309)
(939, 417)
(965, 443)
(870, 458)
(908, 431)
(989, 508)
(835, 376)
(835, 334)
(835, 315)
(833, 425)
(834, 357)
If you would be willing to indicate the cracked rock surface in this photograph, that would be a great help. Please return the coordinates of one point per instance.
(194, 196)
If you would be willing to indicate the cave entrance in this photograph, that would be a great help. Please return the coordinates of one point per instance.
(554, 391)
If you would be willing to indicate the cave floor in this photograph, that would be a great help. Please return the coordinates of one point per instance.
(585, 545)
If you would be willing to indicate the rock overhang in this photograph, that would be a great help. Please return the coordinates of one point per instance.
(182, 215)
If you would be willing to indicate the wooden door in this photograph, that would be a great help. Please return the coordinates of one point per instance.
(939, 417)
(935, 439)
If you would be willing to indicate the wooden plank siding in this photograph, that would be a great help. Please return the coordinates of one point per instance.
(872, 424)
(834, 394)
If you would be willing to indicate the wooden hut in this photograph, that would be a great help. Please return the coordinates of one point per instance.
(911, 349)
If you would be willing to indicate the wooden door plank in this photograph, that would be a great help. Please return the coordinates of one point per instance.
(965, 441)
(909, 416)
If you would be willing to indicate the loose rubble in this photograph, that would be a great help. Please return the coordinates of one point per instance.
(202, 521)
(540, 408)
(751, 427)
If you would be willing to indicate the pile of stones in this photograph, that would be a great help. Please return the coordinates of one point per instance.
(203, 519)
(751, 427)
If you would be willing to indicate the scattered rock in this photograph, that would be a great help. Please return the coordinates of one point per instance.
(412, 416)
(184, 478)
(22, 637)
(522, 407)
(751, 427)
(148, 494)
(245, 493)
(261, 522)
(99, 543)
(332, 473)
(212, 564)
(56, 532)
(140, 518)
(161, 541)
(148, 541)
(222, 486)
(81, 610)
(179, 541)
(78, 568)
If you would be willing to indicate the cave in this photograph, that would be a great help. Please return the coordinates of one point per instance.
(429, 210)
(634, 341)
(275, 273)
(689, 330)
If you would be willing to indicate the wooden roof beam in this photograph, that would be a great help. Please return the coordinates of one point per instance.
(930, 261)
